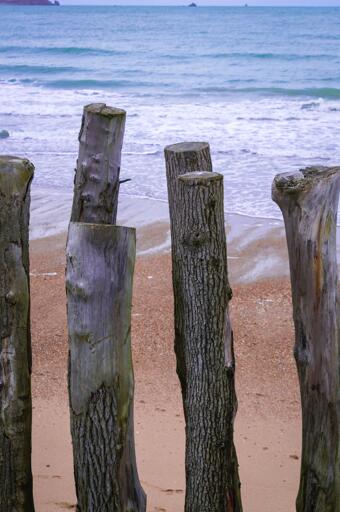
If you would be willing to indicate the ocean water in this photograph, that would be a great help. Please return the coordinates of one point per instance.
(262, 85)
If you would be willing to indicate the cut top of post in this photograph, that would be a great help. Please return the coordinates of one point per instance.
(187, 147)
(200, 178)
(104, 110)
(302, 180)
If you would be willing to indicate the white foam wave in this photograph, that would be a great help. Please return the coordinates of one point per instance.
(246, 149)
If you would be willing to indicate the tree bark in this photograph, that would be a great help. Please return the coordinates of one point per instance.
(180, 159)
(96, 183)
(212, 481)
(15, 341)
(309, 203)
(99, 274)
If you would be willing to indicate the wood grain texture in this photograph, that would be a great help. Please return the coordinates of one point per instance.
(15, 340)
(212, 480)
(96, 184)
(181, 158)
(99, 275)
(309, 203)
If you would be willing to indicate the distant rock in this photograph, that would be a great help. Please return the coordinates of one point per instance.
(4, 134)
(192, 5)
(28, 2)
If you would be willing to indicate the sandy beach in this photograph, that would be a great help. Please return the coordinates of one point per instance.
(267, 429)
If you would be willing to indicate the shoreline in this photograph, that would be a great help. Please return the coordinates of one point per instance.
(132, 211)
(256, 246)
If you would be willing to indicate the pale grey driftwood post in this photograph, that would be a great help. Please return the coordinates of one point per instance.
(181, 158)
(99, 274)
(212, 480)
(15, 340)
(309, 203)
(96, 183)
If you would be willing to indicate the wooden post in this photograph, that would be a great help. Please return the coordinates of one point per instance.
(180, 159)
(212, 481)
(99, 274)
(15, 340)
(309, 203)
(96, 184)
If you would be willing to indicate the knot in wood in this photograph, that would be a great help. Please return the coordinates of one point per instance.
(97, 157)
(11, 297)
(94, 178)
(289, 182)
(86, 197)
(78, 289)
(196, 238)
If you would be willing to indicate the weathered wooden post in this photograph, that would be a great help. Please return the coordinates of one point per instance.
(96, 184)
(309, 203)
(199, 248)
(100, 265)
(180, 159)
(15, 340)
(99, 275)
(212, 481)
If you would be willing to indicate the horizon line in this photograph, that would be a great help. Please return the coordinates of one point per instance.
(245, 5)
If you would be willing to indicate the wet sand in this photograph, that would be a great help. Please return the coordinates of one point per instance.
(267, 429)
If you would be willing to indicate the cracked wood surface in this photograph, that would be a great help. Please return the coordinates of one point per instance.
(99, 275)
(309, 203)
(15, 340)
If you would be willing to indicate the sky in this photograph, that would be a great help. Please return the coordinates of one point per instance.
(295, 3)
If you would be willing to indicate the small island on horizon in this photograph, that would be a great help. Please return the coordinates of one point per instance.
(29, 2)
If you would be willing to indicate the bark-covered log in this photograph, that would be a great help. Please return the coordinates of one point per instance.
(309, 203)
(96, 183)
(99, 274)
(212, 481)
(180, 159)
(15, 340)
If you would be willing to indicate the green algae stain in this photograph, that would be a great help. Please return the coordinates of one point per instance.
(329, 225)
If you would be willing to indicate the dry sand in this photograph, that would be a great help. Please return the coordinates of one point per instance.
(267, 428)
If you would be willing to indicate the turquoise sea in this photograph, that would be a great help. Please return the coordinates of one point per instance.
(262, 85)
